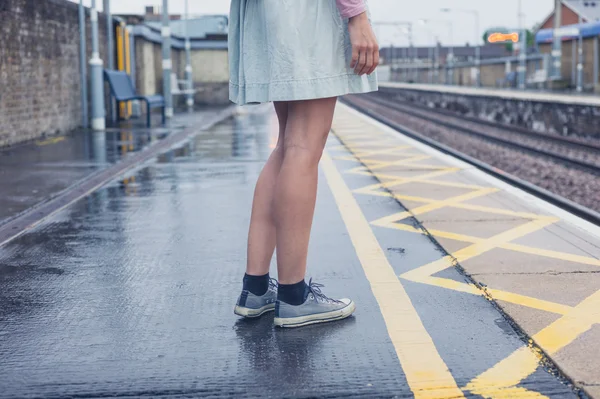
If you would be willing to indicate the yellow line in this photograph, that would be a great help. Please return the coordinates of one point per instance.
(528, 301)
(382, 151)
(389, 222)
(552, 254)
(425, 370)
(432, 205)
(499, 211)
(52, 140)
(503, 377)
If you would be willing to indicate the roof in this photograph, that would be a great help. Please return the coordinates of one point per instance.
(589, 29)
(198, 27)
(588, 9)
(154, 36)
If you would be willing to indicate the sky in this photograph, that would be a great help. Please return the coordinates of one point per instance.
(492, 13)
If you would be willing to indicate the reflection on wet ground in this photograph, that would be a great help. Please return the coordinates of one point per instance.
(33, 172)
(130, 291)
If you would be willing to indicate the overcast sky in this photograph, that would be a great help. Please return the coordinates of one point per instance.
(492, 13)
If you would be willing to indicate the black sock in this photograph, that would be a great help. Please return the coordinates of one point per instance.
(258, 285)
(293, 294)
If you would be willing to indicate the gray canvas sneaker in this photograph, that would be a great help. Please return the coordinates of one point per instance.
(250, 305)
(316, 309)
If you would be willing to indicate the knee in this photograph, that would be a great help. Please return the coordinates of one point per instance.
(307, 155)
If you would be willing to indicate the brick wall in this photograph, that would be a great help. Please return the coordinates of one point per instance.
(568, 17)
(39, 68)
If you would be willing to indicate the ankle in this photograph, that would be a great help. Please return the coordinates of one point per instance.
(257, 285)
(293, 294)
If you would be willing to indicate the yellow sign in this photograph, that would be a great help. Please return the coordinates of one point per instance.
(503, 37)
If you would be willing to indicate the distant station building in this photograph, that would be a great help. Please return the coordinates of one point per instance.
(424, 55)
(208, 42)
(589, 10)
(572, 11)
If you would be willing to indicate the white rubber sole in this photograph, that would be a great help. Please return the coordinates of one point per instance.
(251, 313)
(291, 322)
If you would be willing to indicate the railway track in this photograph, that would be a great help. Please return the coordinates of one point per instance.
(574, 142)
(389, 113)
(575, 153)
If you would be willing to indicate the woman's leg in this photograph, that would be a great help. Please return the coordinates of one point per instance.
(308, 125)
(261, 236)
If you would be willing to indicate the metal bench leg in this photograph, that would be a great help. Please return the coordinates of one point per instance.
(164, 117)
(148, 116)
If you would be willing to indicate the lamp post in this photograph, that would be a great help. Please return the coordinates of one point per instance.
(522, 69)
(580, 59)
(477, 42)
(430, 50)
(408, 30)
(557, 42)
(188, 59)
(166, 60)
(96, 80)
(450, 56)
(83, 67)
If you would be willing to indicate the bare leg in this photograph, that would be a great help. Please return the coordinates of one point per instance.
(308, 125)
(261, 237)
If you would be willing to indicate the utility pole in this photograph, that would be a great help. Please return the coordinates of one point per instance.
(109, 35)
(406, 53)
(580, 59)
(450, 62)
(477, 51)
(522, 69)
(97, 83)
(111, 51)
(557, 42)
(436, 65)
(167, 64)
(476, 43)
(188, 59)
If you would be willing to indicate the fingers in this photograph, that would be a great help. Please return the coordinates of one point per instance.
(354, 62)
(362, 59)
(375, 60)
(365, 58)
(368, 57)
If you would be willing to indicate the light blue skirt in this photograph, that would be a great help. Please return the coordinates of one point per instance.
(287, 50)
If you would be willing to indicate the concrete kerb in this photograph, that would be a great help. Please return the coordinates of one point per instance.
(30, 218)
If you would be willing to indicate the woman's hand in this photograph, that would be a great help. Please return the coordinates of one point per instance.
(365, 50)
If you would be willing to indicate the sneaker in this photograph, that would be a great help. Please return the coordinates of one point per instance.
(250, 305)
(316, 309)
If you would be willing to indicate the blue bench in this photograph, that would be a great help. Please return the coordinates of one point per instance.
(121, 88)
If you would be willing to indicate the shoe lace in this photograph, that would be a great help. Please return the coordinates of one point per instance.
(315, 289)
(273, 284)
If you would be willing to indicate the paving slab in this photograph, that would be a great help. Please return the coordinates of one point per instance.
(535, 266)
(571, 363)
(129, 292)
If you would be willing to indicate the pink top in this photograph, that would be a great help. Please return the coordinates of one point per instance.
(351, 8)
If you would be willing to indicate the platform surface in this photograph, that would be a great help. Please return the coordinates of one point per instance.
(130, 291)
(511, 94)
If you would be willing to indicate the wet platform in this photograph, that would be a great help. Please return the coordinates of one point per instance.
(129, 291)
(37, 171)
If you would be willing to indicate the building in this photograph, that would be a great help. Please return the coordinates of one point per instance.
(152, 13)
(423, 54)
(571, 10)
(205, 27)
